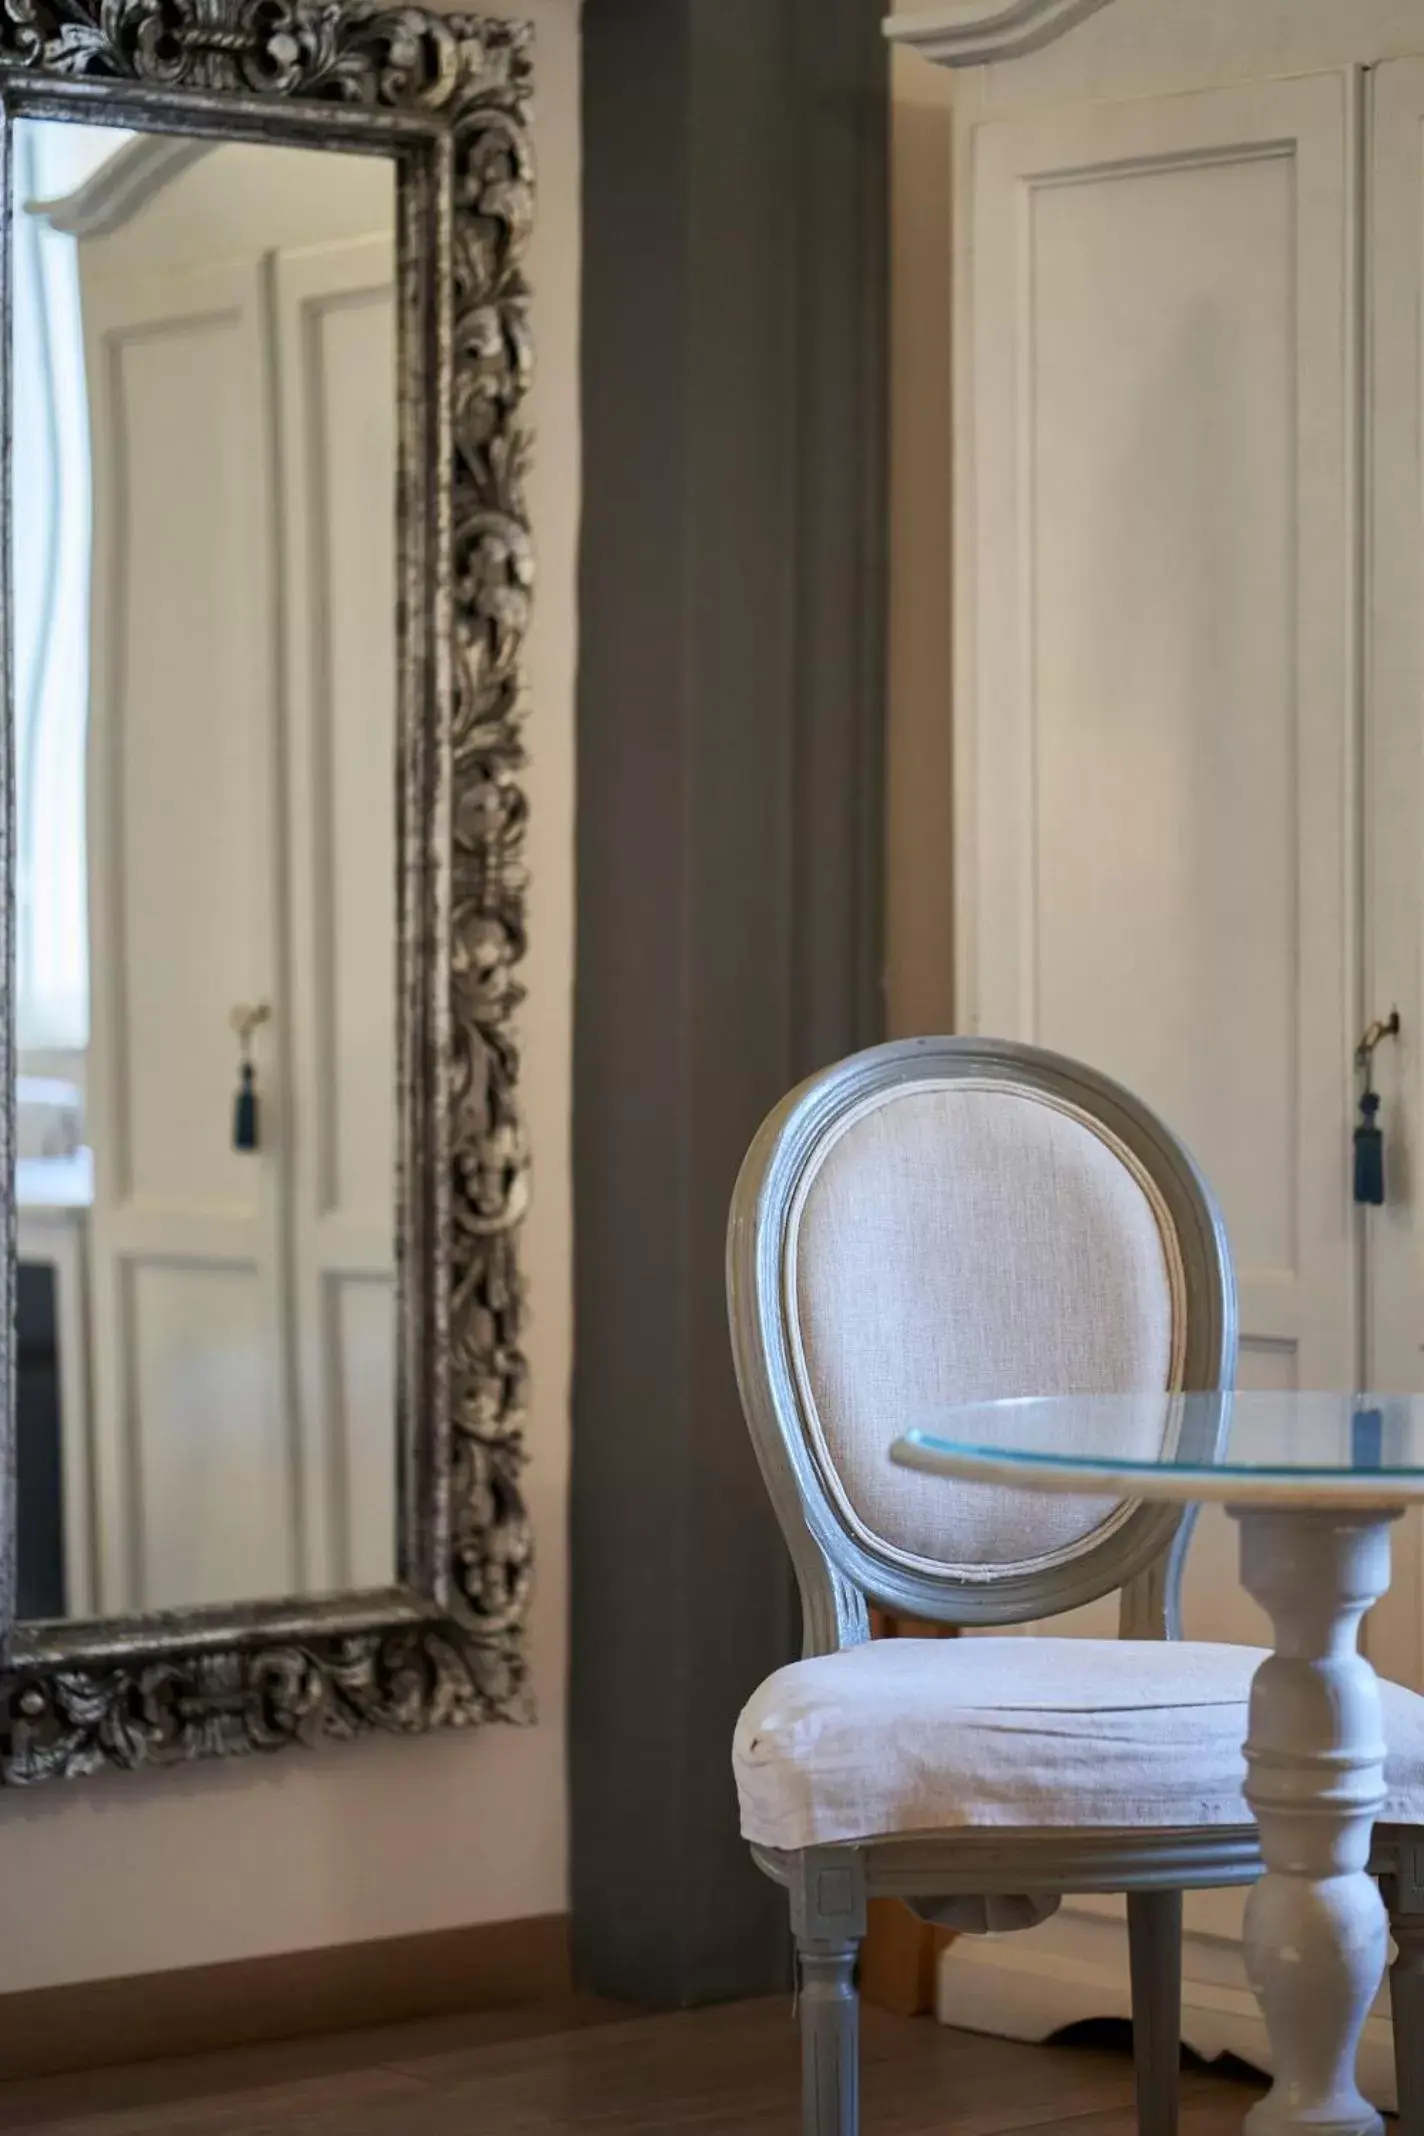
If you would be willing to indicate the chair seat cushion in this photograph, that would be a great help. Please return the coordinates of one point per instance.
(925, 1735)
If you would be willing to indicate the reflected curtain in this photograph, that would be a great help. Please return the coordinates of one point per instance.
(51, 596)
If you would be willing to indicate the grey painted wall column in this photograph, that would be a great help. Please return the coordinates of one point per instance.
(731, 722)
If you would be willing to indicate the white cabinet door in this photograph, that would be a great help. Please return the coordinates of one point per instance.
(1394, 788)
(1157, 701)
(194, 1471)
(335, 340)
(243, 651)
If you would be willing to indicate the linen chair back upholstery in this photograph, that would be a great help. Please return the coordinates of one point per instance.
(949, 1220)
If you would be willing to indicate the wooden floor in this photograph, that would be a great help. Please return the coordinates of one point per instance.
(582, 2066)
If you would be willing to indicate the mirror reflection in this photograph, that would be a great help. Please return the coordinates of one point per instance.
(205, 970)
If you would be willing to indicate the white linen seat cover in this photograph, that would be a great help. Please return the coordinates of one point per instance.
(926, 1735)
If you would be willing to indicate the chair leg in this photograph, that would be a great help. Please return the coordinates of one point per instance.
(1404, 1896)
(828, 1922)
(1154, 1934)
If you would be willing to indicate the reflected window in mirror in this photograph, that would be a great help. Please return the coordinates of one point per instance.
(204, 409)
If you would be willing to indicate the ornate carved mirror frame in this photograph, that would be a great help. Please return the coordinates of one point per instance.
(446, 97)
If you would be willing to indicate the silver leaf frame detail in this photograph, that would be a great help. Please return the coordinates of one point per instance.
(447, 96)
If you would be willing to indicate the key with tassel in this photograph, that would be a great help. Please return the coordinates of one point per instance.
(1369, 1135)
(246, 1115)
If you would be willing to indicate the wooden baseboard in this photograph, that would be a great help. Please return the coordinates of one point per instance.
(295, 1995)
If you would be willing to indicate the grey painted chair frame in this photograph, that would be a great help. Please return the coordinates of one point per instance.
(839, 1575)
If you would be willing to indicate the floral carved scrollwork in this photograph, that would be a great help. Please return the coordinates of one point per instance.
(69, 1722)
(394, 57)
(453, 1656)
(492, 578)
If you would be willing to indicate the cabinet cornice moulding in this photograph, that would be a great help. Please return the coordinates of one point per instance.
(139, 169)
(974, 32)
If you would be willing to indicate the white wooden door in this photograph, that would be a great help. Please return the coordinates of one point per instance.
(1157, 667)
(244, 477)
(1394, 789)
(1188, 728)
(194, 1471)
(1158, 684)
(335, 329)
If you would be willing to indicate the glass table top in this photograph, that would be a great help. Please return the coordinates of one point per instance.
(1320, 1449)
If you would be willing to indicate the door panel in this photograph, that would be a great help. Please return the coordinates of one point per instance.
(1159, 682)
(186, 1233)
(1394, 789)
(335, 327)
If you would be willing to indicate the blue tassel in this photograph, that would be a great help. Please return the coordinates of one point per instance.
(244, 1117)
(1369, 1155)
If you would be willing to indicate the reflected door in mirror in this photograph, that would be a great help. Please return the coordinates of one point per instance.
(204, 414)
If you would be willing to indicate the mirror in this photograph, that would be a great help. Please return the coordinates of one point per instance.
(205, 686)
(266, 577)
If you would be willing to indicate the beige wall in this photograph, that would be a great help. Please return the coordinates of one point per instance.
(919, 901)
(124, 1875)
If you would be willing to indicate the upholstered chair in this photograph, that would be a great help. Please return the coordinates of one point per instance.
(948, 1220)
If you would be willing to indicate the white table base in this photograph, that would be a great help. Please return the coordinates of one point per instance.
(1316, 1937)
